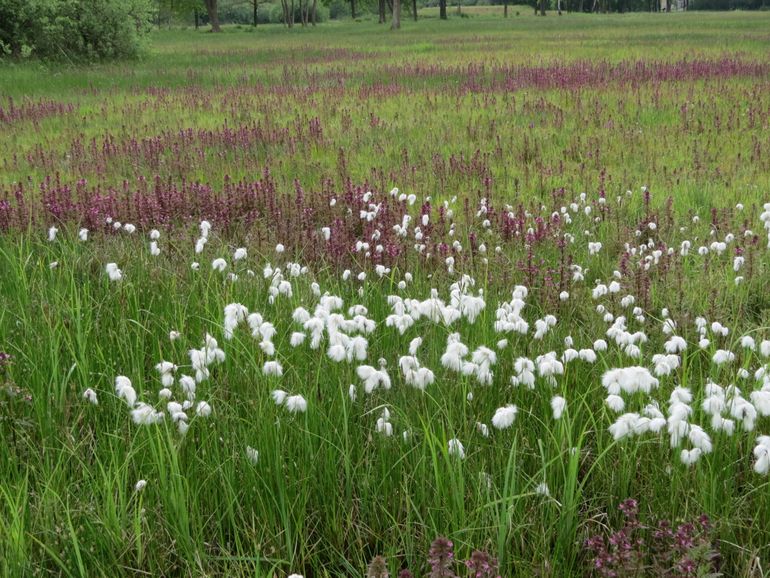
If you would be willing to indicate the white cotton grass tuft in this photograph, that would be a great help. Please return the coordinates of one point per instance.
(90, 396)
(722, 356)
(188, 386)
(625, 426)
(145, 414)
(267, 347)
(455, 448)
(252, 455)
(384, 427)
(113, 272)
(504, 416)
(124, 390)
(690, 457)
(525, 375)
(293, 403)
(272, 368)
(279, 396)
(140, 485)
(235, 314)
(615, 403)
(558, 406)
(414, 345)
(373, 378)
(203, 409)
(296, 404)
(629, 380)
(166, 370)
(761, 401)
(762, 455)
(747, 342)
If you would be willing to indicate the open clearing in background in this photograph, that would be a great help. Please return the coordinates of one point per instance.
(520, 111)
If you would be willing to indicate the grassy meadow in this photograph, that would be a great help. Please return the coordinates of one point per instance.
(278, 302)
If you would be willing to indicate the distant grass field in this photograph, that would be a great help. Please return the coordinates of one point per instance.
(615, 165)
(436, 88)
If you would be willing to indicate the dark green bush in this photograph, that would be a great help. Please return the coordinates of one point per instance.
(73, 30)
(264, 11)
(338, 9)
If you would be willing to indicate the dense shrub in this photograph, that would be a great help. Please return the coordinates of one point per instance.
(338, 9)
(237, 14)
(73, 30)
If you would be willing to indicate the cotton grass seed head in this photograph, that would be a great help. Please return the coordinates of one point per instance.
(504, 416)
(296, 404)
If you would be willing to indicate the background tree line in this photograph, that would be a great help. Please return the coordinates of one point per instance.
(305, 12)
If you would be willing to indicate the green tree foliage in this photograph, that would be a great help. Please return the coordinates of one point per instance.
(169, 12)
(73, 30)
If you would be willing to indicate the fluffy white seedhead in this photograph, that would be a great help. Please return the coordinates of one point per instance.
(504, 416)
(455, 448)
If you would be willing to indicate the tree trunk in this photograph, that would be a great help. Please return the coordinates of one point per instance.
(414, 10)
(382, 12)
(396, 22)
(315, 13)
(542, 7)
(458, 8)
(558, 7)
(288, 13)
(255, 12)
(442, 9)
(505, 8)
(353, 9)
(197, 19)
(211, 8)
